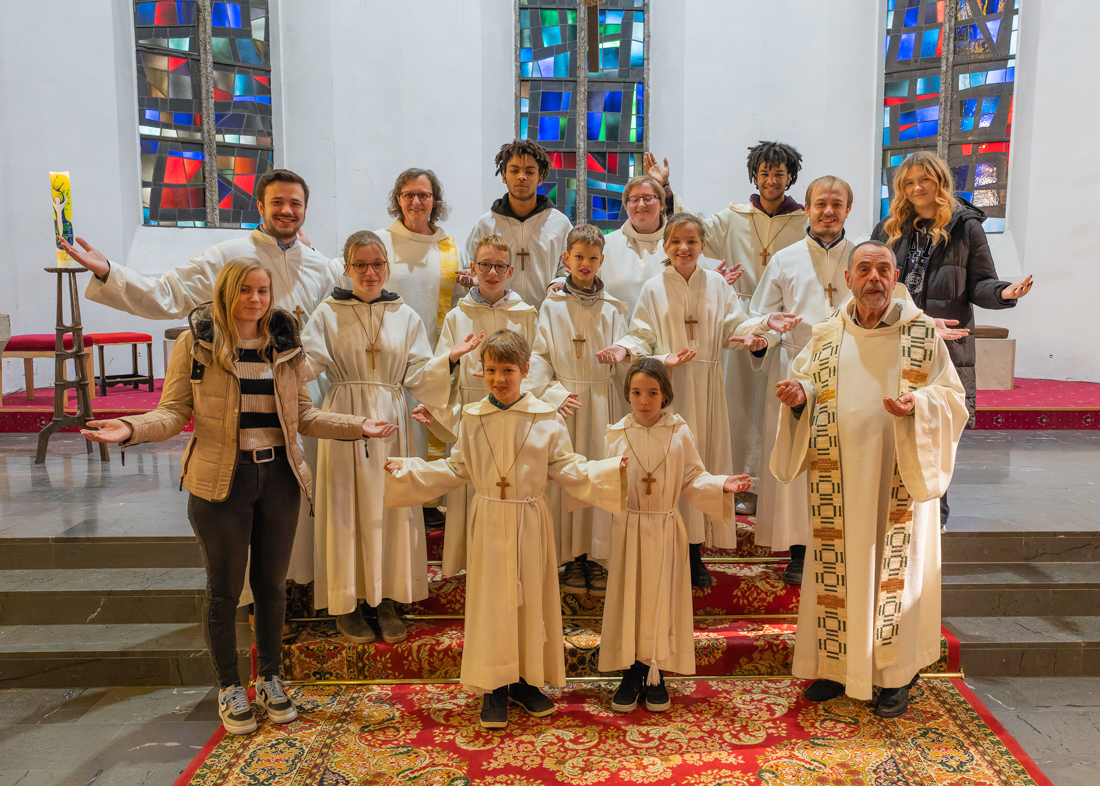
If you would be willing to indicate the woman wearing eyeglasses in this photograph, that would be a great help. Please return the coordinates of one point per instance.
(372, 347)
(633, 253)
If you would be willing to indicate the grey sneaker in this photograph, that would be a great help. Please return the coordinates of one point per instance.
(597, 578)
(393, 628)
(354, 627)
(573, 580)
(272, 697)
(236, 711)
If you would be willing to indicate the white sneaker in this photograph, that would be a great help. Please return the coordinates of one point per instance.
(236, 711)
(272, 697)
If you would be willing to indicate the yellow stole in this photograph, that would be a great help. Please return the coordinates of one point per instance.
(448, 279)
(918, 339)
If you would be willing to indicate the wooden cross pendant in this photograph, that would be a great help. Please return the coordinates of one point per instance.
(298, 312)
(503, 485)
(372, 350)
(649, 480)
(577, 346)
(691, 322)
(763, 257)
(522, 254)
(829, 290)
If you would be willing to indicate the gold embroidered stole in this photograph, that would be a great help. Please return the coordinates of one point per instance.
(448, 278)
(827, 504)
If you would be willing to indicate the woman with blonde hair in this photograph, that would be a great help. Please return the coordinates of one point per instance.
(943, 258)
(239, 373)
(633, 252)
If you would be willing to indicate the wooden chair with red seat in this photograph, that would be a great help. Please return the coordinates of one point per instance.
(134, 378)
(44, 345)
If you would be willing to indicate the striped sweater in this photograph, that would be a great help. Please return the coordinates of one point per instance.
(259, 419)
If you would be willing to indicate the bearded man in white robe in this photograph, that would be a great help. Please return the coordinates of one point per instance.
(873, 411)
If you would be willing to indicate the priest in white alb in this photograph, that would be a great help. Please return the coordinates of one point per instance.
(873, 412)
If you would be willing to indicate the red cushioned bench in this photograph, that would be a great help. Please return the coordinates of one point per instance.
(104, 380)
(44, 345)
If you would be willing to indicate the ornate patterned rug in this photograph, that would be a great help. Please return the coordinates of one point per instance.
(720, 733)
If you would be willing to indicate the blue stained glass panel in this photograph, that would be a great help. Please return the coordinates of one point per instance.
(966, 124)
(549, 129)
(994, 26)
(929, 43)
(551, 101)
(989, 104)
(986, 121)
(928, 129)
(928, 113)
(911, 17)
(905, 46)
(551, 36)
(613, 101)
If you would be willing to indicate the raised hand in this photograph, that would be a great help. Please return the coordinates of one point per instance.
(555, 287)
(421, 415)
(109, 431)
(466, 278)
(783, 323)
(466, 345)
(571, 404)
(612, 355)
(731, 273)
(656, 171)
(901, 406)
(378, 428)
(790, 392)
(676, 358)
(751, 343)
(737, 483)
(90, 258)
(1008, 293)
(947, 333)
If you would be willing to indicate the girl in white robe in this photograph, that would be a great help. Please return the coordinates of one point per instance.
(685, 317)
(372, 347)
(647, 614)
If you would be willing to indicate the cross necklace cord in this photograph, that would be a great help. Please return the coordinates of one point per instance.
(829, 271)
(649, 480)
(298, 312)
(377, 334)
(503, 484)
(764, 252)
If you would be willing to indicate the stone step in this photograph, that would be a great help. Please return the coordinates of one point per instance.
(1028, 646)
(92, 656)
(1021, 589)
(59, 553)
(1033, 547)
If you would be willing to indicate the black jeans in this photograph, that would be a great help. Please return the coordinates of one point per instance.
(260, 512)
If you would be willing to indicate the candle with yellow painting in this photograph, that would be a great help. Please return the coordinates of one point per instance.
(62, 212)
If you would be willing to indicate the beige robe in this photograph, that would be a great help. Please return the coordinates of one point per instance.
(793, 282)
(737, 234)
(513, 604)
(657, 329)
(924, 443)
(600, 321)
(647, 614)
(362, 551)
(631, 258)
(542, 236)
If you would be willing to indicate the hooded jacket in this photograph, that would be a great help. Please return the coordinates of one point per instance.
(960, 275)
(195, 385)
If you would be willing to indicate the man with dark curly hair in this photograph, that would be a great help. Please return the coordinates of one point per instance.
(745, 237)
(527, 220)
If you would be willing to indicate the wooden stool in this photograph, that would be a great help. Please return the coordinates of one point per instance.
(170, 336)
(105, 380)
(43, 345)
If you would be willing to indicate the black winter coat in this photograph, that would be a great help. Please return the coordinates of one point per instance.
(960, 275)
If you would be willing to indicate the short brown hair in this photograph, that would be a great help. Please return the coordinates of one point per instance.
(280, 176)
(641, 180)
(440, 209)
(826, 181)
(584, 233)
(507, 346)
(495, 242)
(523, 147)
(654, 369)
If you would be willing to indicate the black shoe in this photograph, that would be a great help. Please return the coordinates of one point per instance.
(893, 702)
(494, 709)
(656, 696)
(700, 576)
(630, 689)
(573, 580)
(434, 519)
(792, 574)
(596, 577)
(823, 690)
(531, 699)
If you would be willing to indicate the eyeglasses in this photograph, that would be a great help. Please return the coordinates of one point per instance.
(361, 267)
(409, 196)
(485, 267)
(647, 199)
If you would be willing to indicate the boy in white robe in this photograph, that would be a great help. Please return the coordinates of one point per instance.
(533, 229)
(509, 444)
(647, 615)
(575, 324)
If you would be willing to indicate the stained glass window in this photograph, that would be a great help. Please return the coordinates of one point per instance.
(552, 74)
(983, 69)
(171, 110)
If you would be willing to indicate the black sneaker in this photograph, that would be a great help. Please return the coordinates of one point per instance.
(533, 700)
(700, 576)
(893, 702)
(630, 690)
(656, 696)
(494, 709)
(596, 577)
(823, 690)
(792, 574)
(573, 580)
